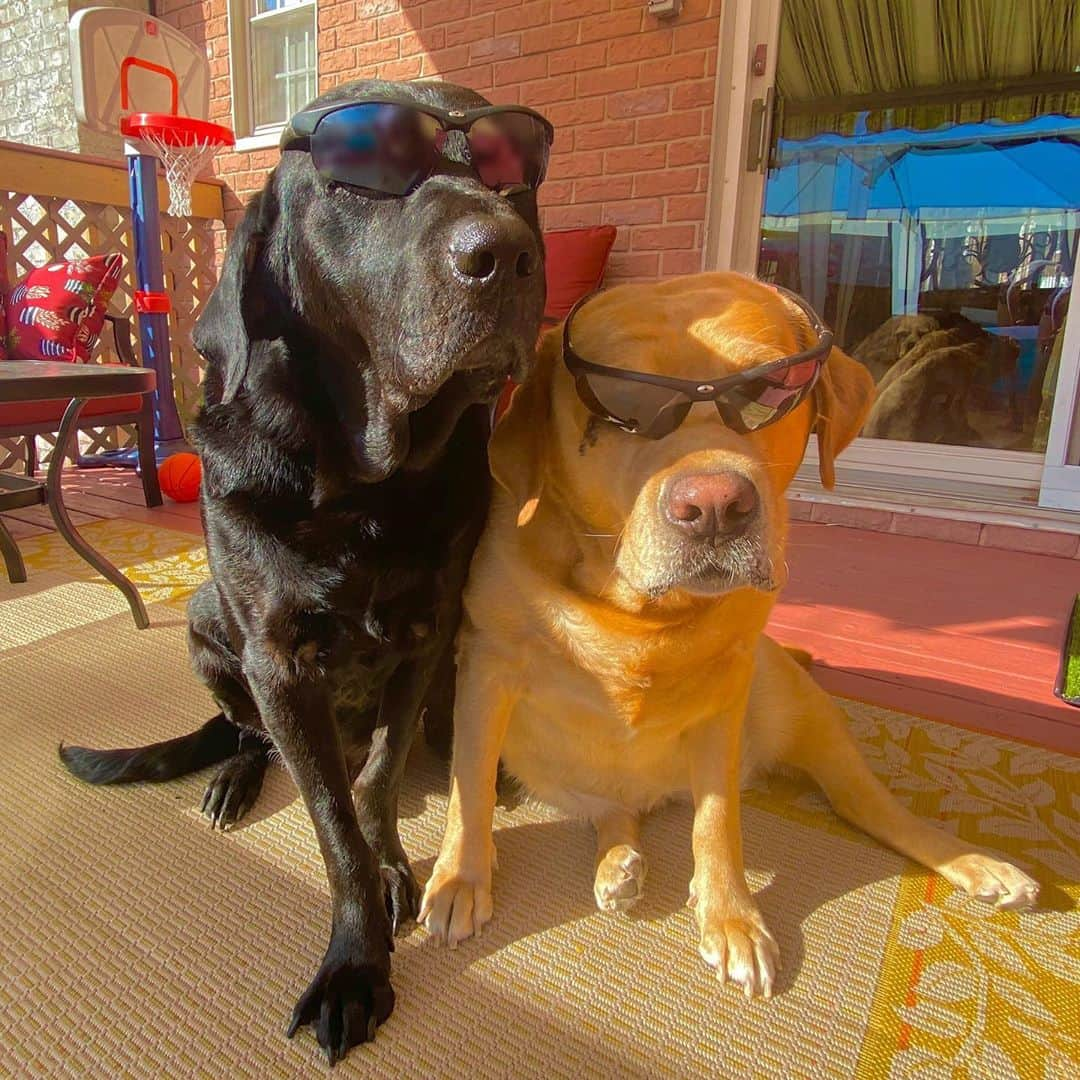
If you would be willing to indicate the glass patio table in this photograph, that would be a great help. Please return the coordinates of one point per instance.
(43, 380)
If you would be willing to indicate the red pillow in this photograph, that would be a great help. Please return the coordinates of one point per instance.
(3, 295)
(575, 260)
(56, 312)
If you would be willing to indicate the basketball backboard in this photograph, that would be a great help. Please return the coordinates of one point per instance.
(126, 61)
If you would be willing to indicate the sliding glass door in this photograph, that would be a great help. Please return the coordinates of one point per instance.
(933, 219)
(944, 260)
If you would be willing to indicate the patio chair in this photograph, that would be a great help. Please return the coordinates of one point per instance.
(43, 417)
(26, 420)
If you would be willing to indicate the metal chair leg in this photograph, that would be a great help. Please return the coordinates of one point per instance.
(67, 529)
(144, 433)
(16, 568)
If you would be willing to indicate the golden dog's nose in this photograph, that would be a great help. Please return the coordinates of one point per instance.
(712, 506)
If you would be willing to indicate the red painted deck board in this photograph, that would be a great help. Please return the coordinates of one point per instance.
(964, 634)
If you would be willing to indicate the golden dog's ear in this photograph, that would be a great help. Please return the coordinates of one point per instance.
(842, 398)
(520, 442)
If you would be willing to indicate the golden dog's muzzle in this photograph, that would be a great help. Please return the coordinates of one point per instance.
(704, 526)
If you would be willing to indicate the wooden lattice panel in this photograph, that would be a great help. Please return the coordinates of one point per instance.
(42, 229)
(190, 277)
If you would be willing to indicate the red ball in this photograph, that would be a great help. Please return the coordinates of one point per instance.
(180, 476)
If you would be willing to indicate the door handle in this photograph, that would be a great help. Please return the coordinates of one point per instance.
(757, 138)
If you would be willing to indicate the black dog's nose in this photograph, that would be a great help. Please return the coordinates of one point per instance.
(712, 506)
(485, 248)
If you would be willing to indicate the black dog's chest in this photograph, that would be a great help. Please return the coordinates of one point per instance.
(351, 582)
(357, 683)
(391, 594)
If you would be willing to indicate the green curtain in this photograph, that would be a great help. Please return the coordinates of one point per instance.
(832, 51)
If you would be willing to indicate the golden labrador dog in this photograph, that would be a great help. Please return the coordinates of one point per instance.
(612, 653)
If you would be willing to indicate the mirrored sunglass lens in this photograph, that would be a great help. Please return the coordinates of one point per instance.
(644, 407)
(766, 400)
(796, 375)
(387, 148)
(508, 149)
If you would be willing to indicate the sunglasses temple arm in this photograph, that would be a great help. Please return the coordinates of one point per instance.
(291, 139)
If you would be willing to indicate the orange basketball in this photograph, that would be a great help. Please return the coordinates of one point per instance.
(180, 476)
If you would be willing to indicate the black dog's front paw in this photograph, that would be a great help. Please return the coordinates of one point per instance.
(235, 787)
(402, 892)
(345, 1002)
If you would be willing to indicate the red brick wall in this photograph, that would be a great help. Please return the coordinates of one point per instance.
(630, 96)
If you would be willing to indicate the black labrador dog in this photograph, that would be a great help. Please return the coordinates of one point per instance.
(354, 344)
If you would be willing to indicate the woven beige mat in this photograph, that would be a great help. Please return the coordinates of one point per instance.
(136, 942)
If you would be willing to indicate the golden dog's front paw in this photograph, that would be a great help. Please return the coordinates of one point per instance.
(739, 948)
(457, 903)
(620, 879)
(992, 881)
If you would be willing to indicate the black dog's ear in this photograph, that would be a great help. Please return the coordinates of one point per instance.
(223, 331)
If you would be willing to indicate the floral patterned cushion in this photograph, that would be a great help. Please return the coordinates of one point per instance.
(56, 311)
(3, 294)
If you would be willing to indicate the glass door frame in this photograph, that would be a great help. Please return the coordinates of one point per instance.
(1060, 487)
(746, 71)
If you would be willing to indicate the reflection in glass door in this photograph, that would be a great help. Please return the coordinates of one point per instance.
(922, 190)
(944, 260)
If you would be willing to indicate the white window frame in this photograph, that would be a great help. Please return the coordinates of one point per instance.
(241, 65)
(732, 234)
(737, 194)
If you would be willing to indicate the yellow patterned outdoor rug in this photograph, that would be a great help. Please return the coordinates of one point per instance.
(135, 942)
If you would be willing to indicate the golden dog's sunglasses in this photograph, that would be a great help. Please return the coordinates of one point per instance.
(390, 148)
(655, 405)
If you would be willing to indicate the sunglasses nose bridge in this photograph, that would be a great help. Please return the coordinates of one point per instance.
(452, 144)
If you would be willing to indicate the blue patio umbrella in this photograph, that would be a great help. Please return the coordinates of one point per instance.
(1034, 165)
(1025, 176)
(988, 169)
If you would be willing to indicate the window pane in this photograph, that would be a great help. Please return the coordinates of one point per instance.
(944, 260)
(283, 63)
(260, 6)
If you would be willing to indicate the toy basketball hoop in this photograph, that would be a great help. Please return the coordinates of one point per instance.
(137, 76)
(182, 144)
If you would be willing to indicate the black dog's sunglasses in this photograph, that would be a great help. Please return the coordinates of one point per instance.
(391, 148)
(654, 405)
